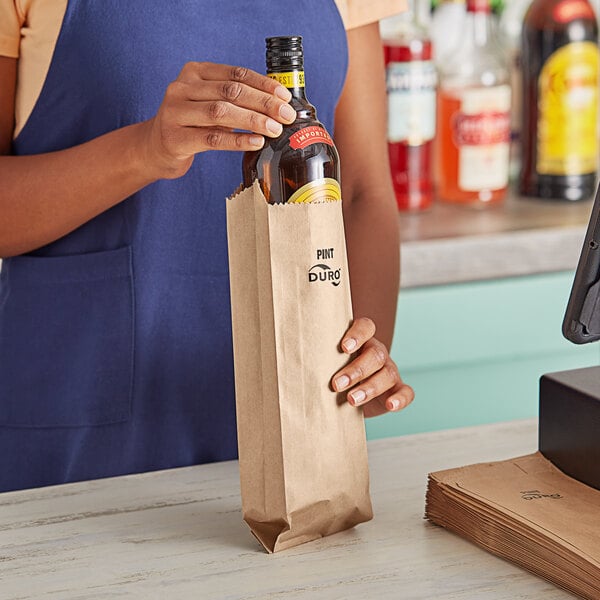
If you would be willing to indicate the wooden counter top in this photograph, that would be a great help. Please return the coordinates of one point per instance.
(179, 534)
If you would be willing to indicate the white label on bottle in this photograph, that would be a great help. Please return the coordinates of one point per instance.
(481, 131)
(411, 101)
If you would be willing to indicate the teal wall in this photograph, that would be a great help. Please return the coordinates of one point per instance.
(474, 352)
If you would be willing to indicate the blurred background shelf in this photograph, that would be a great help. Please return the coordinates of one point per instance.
(450, 244)
(480, 311)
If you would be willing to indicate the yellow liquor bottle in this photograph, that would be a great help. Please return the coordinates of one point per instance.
(560, 100)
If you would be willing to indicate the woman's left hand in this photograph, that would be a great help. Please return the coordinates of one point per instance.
(371, 379)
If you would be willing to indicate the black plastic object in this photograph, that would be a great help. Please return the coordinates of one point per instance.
(581, 323)
(569, 426)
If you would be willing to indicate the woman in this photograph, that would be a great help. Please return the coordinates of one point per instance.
(115, 341)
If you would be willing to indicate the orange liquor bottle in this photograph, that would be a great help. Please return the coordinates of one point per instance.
(473, 141)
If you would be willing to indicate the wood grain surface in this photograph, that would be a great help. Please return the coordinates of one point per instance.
(179, 534)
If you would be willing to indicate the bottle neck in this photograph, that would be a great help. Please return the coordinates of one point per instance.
(406, 27)
(410, 14)
(478, 28)
(293, 80)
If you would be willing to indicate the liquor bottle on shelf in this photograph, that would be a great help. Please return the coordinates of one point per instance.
(472, 155)
(302, 164)
(411, 86)
(560, 100)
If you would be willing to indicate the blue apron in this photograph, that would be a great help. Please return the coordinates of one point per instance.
(115, 340)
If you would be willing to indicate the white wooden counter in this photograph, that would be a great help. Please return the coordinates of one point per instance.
(178, 534)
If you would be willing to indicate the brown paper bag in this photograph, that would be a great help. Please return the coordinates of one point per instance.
(302, 449)
(525, 510)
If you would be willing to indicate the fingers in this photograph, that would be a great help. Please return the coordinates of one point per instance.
(371, 387)
(386, 386)
(226, 104)
(394, 401)
(218, 113)
(205, 108)
(361, 330)
(194, 71)
(371, 379)
(372, 358)
(248, 97)
(191, 140)
(239, 86)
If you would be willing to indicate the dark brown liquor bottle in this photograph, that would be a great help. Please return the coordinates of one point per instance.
(302, 164)
(560, 100)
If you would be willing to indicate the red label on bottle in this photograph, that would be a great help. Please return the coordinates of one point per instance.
(569, 10)
(480, 129)
(310, 135)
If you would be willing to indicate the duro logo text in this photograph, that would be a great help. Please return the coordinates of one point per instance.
(324, 273)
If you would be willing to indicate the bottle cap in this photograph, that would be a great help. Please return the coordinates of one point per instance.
(284, 53)
(480, 6)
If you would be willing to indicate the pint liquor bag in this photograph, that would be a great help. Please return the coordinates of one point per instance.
(302, 447)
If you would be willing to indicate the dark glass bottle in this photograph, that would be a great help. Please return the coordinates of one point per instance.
(302, 164)
(560, 100)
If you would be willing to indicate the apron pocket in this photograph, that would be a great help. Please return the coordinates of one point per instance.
(66, 340)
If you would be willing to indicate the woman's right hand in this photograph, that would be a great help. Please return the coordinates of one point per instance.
(46, 196)
(204, 108)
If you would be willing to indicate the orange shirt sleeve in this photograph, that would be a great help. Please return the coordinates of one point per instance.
(11, 21)
(356, 13)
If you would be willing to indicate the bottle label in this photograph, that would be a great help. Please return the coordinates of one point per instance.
(319, 190)
(291, 79)
(567, 142)
(313, 134)
(411, 101)
(481, 132)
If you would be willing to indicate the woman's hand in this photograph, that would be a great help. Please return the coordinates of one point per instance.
(203, 109)
(371, 379)
(46, 196)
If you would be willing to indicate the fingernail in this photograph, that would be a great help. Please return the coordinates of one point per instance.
(274, 127)
(342, 383)
(287, 112)
(349, 344)
(396, 404)
(283, 93)
(256, 140)
(357, 396)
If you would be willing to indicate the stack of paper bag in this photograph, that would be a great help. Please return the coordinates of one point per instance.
(526, 511)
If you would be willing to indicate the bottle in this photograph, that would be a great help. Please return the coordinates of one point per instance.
(447, 23)
(560, 100)
(302, 164)
(473, 141)
(510, 26)
(411, 86)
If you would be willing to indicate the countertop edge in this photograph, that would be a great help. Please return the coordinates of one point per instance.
(490, 256)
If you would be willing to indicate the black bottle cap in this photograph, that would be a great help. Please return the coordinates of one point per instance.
(284, 54)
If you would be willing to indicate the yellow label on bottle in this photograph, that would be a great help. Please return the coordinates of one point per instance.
(319, 190)
(567, 141)
(291, 79)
